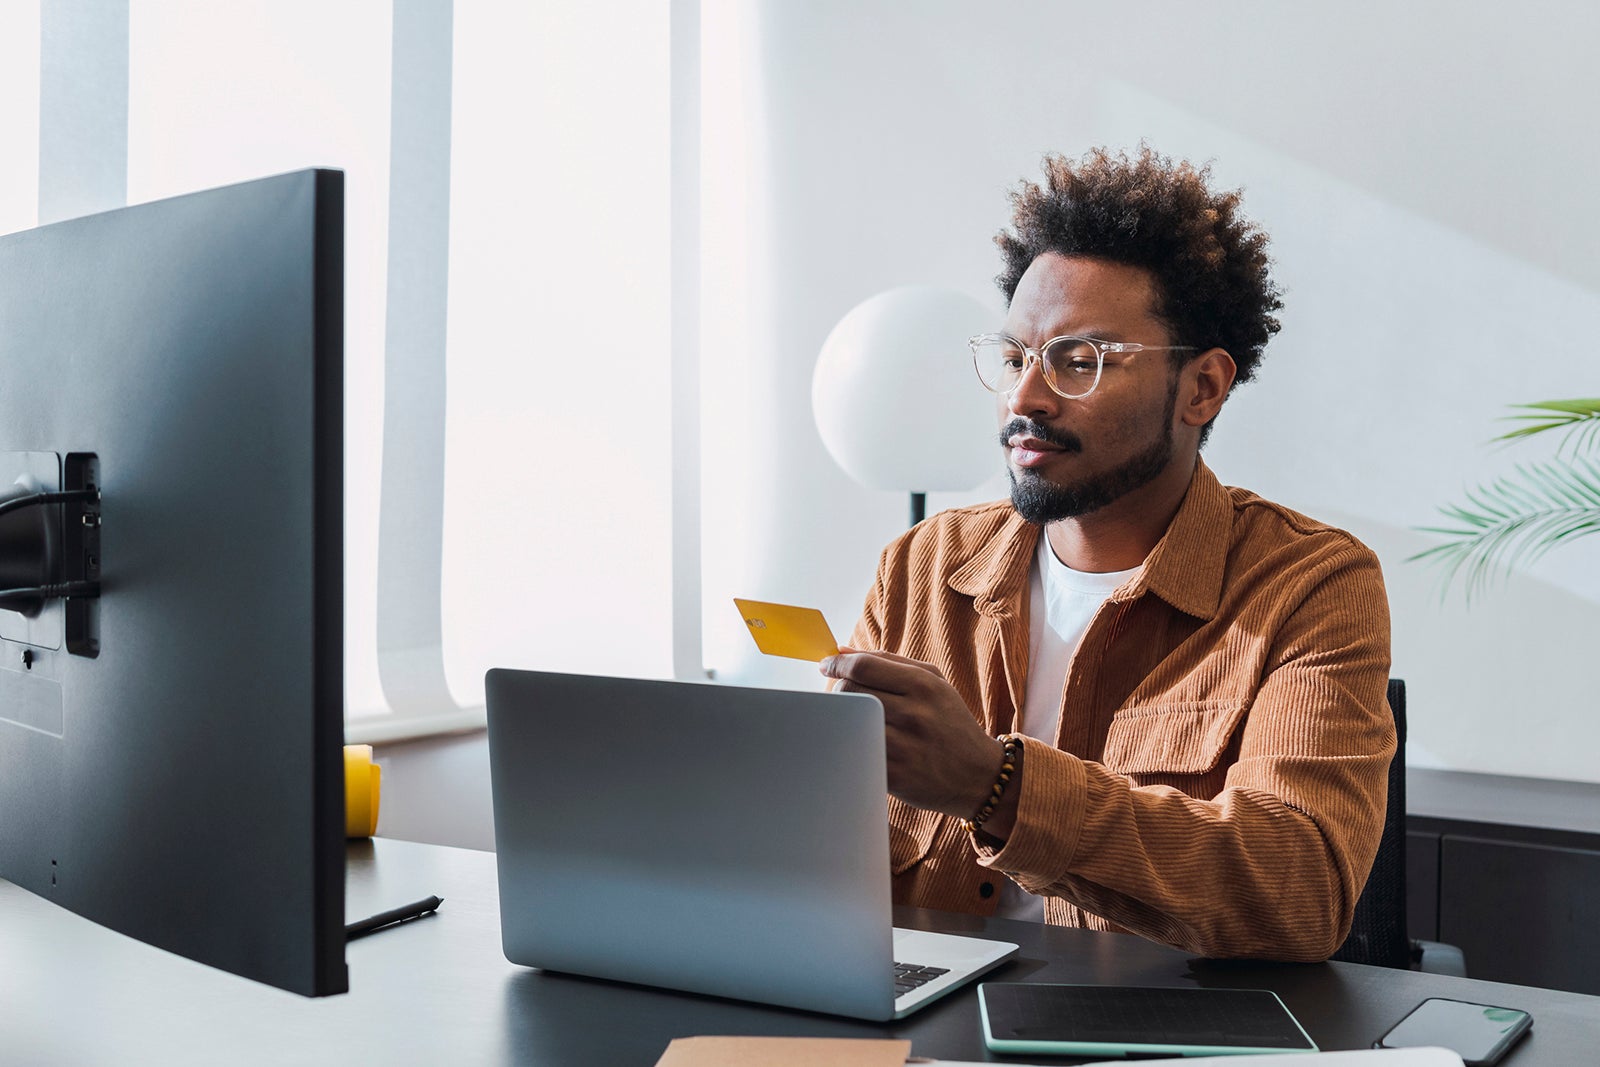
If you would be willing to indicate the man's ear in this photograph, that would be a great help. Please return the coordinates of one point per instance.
(1206, 379)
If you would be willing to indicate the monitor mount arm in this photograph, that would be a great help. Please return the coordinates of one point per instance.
(31, 548)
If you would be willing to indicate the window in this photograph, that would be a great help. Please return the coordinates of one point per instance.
(554, 421)
(19, 116)
(557, 485)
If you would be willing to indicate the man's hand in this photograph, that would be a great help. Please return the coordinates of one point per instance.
(939, 757)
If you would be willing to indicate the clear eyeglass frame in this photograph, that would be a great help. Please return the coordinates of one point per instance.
(1064, 361)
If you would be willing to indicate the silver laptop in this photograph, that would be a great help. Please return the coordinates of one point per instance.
(708, 838)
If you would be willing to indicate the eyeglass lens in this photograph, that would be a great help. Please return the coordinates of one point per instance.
(1071, 365)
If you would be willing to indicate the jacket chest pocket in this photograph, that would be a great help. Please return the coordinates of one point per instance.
(1181, 737)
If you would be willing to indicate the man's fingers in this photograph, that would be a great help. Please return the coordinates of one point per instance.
(859, 670)
(878, 671)
(893, 656)
(883, 672)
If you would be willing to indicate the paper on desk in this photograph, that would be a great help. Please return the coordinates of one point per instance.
(1371, 1057)
(784, 1052)
(1383, 1057)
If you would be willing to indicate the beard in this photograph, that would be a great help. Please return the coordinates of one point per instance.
(1041, 501)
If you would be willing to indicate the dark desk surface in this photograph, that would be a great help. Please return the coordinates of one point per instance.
(438, 990)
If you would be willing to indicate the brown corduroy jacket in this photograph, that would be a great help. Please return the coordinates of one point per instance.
(1218, 780)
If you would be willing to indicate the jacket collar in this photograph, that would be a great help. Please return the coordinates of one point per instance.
(996, 576)
(1185, 568)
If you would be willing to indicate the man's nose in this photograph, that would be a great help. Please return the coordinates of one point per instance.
(1032, 394)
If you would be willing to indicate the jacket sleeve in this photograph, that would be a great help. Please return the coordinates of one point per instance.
(1271, 867)
(909, 827)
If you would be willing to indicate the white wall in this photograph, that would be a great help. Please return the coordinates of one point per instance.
(1427, 171)
(436, 790)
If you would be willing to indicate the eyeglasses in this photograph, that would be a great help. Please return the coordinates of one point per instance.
(1071, 365)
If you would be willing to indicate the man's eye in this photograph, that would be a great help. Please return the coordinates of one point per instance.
(1082, 367)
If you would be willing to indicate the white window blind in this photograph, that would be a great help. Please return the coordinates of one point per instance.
(19, 115)
(557, 484)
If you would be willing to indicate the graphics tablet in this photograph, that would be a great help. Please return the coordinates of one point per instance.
(1119, 1020)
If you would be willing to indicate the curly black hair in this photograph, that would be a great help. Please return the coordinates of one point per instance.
(1209, 263)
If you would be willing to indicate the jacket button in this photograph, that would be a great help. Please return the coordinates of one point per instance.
(986, 890)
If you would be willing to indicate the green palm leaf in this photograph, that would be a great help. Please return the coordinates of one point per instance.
(1582, 417)
(1517, 518)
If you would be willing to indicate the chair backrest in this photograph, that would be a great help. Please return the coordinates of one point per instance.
(1378, 935)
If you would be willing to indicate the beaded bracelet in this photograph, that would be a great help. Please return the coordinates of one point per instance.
(1008, 766)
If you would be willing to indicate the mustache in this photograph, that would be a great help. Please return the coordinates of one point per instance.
(1062, 439)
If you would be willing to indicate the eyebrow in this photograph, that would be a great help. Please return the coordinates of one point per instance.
(1092, 334)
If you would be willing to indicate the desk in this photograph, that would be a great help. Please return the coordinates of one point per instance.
(438, 990)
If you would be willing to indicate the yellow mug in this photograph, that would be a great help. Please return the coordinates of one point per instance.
(361, 777)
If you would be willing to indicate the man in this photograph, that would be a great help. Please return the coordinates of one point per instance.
(1191, 678)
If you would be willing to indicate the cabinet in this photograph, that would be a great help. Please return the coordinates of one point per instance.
(1508, 870)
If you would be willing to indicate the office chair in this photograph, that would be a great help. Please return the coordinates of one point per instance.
(1378, 933)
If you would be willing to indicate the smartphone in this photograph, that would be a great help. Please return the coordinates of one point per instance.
(1479, 1033)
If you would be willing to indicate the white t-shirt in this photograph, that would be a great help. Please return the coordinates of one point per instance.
(1061, 604)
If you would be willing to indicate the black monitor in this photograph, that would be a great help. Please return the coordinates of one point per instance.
(171, 574)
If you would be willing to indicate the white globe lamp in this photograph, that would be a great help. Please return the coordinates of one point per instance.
(896, 399)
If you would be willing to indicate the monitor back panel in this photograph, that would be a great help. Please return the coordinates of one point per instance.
(184, 784)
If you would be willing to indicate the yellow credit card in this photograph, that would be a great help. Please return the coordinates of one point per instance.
(785, 630)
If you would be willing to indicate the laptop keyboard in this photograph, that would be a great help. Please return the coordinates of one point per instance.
(908, 976)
